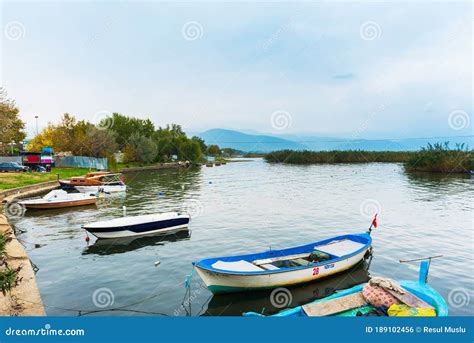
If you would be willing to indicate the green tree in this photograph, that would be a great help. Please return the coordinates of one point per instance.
(12, 128)
(190, 150)
(124, 127)
(214, 150)
(144, 148)
(201, 142)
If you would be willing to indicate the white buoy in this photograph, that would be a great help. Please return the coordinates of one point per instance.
(124, 208)
(157, 263)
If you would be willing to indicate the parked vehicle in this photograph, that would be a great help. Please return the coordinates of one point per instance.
(12, 167)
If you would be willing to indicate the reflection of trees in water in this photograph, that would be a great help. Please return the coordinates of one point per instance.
(167, 182)
(438, 181)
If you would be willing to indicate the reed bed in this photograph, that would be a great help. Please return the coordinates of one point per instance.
(436, 157)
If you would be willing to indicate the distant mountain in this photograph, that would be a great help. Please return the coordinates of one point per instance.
(246, 142)
(267, 142)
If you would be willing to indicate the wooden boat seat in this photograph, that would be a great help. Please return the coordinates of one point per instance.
(237, 266)
(334, 306)
(268, 266)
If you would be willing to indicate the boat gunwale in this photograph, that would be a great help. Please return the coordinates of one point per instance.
(131, 225)
(289, 269)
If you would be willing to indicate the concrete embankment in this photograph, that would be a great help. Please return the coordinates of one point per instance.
(157, 167)
(24, 299)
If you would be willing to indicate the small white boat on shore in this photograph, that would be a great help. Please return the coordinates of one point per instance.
(143, 225)
(59, 198)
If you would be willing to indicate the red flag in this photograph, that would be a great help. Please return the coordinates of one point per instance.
(374, 222)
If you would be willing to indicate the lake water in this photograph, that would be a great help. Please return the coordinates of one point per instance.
(249, 207)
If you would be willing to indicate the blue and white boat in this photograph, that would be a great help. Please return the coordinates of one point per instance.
(418, 288)
(143, 225)
(277, 268)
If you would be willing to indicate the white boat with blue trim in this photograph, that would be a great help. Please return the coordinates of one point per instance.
(142, 225)
(276, 268)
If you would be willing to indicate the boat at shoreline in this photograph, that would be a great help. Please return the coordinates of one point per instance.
(106, 182)
(277, 268)
(142, 225)
(59, 198)
(351, 303)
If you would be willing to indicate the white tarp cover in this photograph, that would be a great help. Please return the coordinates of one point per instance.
(238, 266)
(340, 248)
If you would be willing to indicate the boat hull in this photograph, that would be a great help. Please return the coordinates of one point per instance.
(141, 229)
(227, 282)
(59, 204)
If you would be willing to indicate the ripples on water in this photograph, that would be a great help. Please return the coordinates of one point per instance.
(248, 207)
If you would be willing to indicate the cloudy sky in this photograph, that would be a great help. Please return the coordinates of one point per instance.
(342, 68)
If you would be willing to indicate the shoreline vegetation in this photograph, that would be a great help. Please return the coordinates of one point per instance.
(438, 157)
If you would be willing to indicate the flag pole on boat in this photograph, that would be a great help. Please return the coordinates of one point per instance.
(373, 224)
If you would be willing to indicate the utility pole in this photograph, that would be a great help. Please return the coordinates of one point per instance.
(36, 117)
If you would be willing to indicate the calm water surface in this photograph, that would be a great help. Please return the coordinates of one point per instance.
(248, 207)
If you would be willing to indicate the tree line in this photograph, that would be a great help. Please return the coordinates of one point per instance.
(138, 139)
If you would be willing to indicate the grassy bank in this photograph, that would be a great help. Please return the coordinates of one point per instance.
(434, 158)
(13, 180)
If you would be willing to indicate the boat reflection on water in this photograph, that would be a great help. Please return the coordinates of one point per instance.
(126, 244)
(261, 301)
